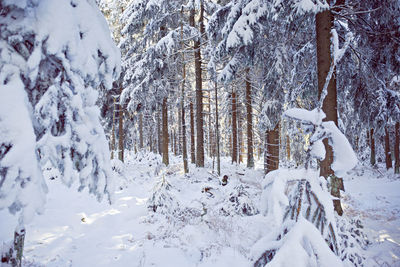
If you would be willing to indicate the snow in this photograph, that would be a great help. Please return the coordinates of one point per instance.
(314, 116)
(372, 195)
(77, 230)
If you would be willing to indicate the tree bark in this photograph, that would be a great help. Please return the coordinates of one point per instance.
(388, 156)
(120, 131)
(141, 130)
(396, 149)
(217, 129)
(192, 141)
(210, 131)
(272, 159)
(324, 23)
(175, 136)
(234, 129)
(372, 146)
(249, 115)
(113, 132)
(183, 127)
(199, 91)
(159, 135)
(165, 132)
(240, 131)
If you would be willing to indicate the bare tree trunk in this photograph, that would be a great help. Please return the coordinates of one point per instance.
(272, 159)
(324, 23)
(113, 132)
(192, 141)
(210, 131)
(179, 133)
(159, 135)
(265, 152)
(388, 156)
(120, 131)
(171, 138)
(199, 91)
(396, 149)
(240, 131)
(141, 130)
(217, 129)
(249, 114)
(234, 129)
(151, 142)
(372, 146)
(183, 127)
(164, 114)
(175, 143)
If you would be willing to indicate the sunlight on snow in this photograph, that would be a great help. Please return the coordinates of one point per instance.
(92, 218)
(385, 236)
(125, 198)
(140, 201)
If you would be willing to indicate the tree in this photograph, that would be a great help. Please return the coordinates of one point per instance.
(199, 90)
(50, 71)
(249, 118)
(323, 27)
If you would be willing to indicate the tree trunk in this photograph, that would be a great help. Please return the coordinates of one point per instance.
(176, 143)
(183, 127)
(165, 132)
(199, 91)
(324, 23)
(372, 146)
(120, 131)
(388, 156)
(210, 131)
(192, 141)
(217, 129)
(141, 130)
(171, 138)
(396, 149)
(240, 132)
(249, 115)
(272, 159)
(151, 142)
(234, 129)
(113, 132)
(14, 255)
(159, 135)
(288, 147)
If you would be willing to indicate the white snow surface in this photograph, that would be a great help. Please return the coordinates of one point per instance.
(76, 230)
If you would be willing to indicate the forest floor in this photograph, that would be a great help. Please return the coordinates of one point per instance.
(76, 230)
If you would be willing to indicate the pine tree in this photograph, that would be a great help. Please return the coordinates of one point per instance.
(50, 74)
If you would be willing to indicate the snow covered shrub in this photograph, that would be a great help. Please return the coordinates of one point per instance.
(239, 202)
(162, 199)
(299, 202)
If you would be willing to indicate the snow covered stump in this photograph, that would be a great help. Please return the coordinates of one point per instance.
(298, 202)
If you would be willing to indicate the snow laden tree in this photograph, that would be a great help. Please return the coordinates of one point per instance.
(154, 61)
(54, 56)
(264, 36)
(299, 204)
(374, 65)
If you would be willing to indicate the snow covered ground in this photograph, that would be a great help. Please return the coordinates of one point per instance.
(373, 195)
(76, 230)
